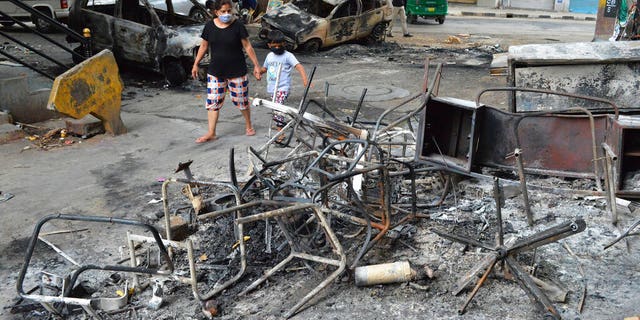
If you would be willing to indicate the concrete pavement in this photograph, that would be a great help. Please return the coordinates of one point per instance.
(456, 9)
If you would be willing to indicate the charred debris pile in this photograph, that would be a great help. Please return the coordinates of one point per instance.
(329, 195)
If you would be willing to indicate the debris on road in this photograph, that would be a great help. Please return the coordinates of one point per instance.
(351, 195)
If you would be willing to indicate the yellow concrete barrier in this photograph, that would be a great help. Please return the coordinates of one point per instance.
(92, 87)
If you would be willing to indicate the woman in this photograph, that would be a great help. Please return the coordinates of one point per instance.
(226, 37)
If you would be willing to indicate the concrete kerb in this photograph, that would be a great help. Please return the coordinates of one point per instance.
(523, 15)
(455, 10)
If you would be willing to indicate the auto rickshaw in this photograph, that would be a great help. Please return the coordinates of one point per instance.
(428, 9)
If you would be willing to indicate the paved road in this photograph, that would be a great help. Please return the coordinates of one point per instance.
(117, 176)
(507, 31)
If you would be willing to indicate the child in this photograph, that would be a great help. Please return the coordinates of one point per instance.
(276, 58)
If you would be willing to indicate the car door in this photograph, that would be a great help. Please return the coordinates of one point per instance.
(98, 17)
(342, 22)
(372, 14)
(134, 33)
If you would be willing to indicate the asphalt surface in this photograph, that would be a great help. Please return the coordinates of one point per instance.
(456, 9)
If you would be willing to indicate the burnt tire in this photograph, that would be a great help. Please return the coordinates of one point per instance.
(378, 33)
(198, 14)
(41, 24)
(174, 73)
(312, 46)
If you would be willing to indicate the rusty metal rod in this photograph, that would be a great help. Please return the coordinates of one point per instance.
(478, 285)
(274, 213)
(523, 187)
(531, 288)
(612, 185)
(357, 111)
(426, 96)
(549, 235)
(86, 302)
(566, 94)
(497, 195)
(625, 234)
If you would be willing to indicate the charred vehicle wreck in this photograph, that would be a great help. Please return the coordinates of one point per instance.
(140, 35)
(311, 25)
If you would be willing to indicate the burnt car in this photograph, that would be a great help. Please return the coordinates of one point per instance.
(141, 35)
(313, 24)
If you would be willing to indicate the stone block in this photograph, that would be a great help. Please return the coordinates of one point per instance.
(9, 132)
(85, 127)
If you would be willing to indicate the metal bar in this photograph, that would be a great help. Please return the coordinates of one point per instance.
(232, 168)
(55, 23)
(60, 252)
(531, 288)
(625, 234)
(353, 219)
(462, 239)
(566, 94)
(478, 285)
(44, 36)
(523, 186)
(473, 274)
(547, 236)
(26, 45)
(274, 213)
(8, 55)
(63, 298)
(426, 95)
(497, 195)
(357, 111)
(302, 108)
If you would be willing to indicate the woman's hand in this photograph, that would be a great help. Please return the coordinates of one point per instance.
(257, 72)
(194, 72)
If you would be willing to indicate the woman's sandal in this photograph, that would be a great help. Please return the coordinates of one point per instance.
(251, 132)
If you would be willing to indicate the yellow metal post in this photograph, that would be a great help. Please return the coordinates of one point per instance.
(91, 87)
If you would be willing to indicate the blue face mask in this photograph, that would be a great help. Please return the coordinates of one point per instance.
(225, 18)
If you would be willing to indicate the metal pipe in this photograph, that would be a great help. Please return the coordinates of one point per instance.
(497, 195)
(70, 32)
(26, 45)
(426, 95)
(64, 297)
(274, 213)
(566, 94)
(531, 288)
(44, 36)
(477, 287)
(8, 55)
(523, 186)
(357, 111)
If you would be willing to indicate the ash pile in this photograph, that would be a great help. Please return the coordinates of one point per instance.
(428, 194)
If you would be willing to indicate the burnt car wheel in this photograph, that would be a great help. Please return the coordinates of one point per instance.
(174, 73)
(312, 45)
(198, 14)
(378, 32)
